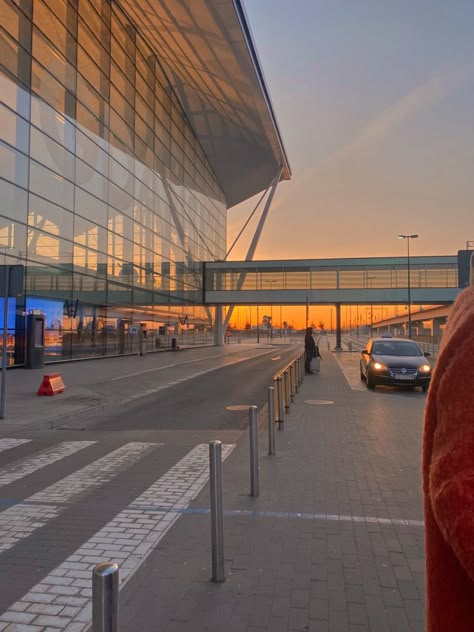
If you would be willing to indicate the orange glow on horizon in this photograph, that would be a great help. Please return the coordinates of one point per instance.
(295, 315)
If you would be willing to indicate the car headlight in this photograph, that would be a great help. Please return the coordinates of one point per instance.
(425, 368)
(378, 366)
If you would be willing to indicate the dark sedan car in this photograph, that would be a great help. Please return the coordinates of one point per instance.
(394, 362)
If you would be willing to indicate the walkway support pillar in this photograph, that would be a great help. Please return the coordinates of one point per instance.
(218, 327)
(338, 327)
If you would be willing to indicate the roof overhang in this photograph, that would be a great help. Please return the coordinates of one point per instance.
(207, 51)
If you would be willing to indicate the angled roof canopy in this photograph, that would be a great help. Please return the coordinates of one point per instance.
(206, 48)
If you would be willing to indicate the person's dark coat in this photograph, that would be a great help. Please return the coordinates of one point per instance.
(309, 344)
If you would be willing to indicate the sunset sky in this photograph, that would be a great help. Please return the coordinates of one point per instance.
(375, 102)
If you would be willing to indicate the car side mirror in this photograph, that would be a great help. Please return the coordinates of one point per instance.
(364, 352)
(427, 354)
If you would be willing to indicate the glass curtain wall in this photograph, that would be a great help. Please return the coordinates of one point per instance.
(105, 193)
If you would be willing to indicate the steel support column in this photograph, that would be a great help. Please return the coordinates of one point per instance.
(255, 240)
(338, 327)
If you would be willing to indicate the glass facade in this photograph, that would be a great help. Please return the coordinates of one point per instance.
(106, 195)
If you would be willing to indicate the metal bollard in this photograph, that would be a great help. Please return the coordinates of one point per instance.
(271, 420)
(296, 374)
(287, 390)
(254, 487)
(292, 384)
(217, 514)
(280, 402)
(105, 597)
(302, 368)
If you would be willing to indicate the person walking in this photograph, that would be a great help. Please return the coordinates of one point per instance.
(448, 475)
(309, 349)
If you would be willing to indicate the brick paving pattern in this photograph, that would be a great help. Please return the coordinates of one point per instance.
(333, 543)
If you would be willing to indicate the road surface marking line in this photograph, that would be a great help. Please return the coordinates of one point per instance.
(132, 398)
(21, 520)
(7, 444)
(30, 464)
(177, 364)
(129, 538)
(292, 514)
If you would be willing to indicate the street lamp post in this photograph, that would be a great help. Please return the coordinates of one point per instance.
(408, 237)
(271, 309)
(371, 279)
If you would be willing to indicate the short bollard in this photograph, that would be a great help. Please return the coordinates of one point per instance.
(280, 402)
(217, 515)
(254, 487)
(290, 371)
(271, 420)
(296, 376)
(105, 597)
(287, 390)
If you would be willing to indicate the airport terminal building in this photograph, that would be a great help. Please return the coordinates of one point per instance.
(127, 129)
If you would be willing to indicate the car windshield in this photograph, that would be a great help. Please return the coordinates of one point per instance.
(395, 348)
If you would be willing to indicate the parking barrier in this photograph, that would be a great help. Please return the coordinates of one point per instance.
(287, 382)
(217, 514)
(254, 486)
(271, 420)
(279, 385)
(286, 376)
(105, 597)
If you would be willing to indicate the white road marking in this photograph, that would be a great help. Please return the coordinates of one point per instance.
(175, 364)
(21, 520)
(152, 391)
(349, 365)
(30, 464)
(7, 444)
(129, 538)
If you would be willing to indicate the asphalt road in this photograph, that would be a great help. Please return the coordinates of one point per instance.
(199, 403)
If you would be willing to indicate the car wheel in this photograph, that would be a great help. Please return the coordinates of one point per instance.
(370, 381)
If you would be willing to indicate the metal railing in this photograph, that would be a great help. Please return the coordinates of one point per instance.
(286, 383)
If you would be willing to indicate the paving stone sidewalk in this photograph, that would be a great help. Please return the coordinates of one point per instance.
(333, 543)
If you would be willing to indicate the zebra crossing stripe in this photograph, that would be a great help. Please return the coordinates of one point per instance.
(30, 464)
(21, 520)
(62, 600)
(7, 444)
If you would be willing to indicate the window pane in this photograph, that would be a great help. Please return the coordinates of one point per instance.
(13, 201)
(15, 97)
(91, 180)
(13, 129)
(49, 24)
(43, 246)
(8, 53)
(51, 186)
(49, 217)
(51, 154)
(13, 165)
(47, 87)
(53, 124)
(90, 207)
